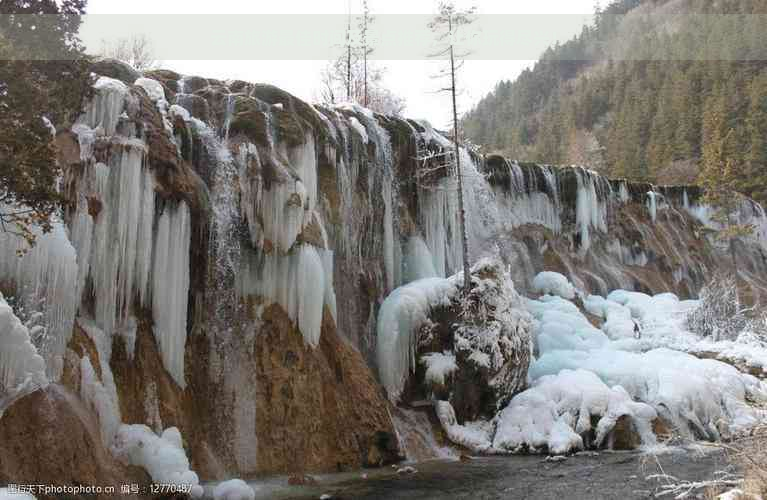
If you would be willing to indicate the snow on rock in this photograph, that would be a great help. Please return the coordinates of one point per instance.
(22, 369)
(557, 409)
(163, 456)
(612, 373)
(552, 283)
(476, 436)
(439, 365)
(153, 88)
(234, 489)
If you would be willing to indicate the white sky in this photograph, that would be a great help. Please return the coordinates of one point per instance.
(407, 78)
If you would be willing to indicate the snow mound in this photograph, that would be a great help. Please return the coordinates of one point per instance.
(552, 283)
(163, 456)
(698, 398)
(234, 489)
(558, 409)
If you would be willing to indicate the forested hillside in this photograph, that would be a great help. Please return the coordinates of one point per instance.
(640, 93)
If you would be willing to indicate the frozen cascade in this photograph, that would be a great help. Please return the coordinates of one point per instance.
(100, 395)
(104, 110)
(297, 282)
(170, 287)
(652, 204)
(528, 203)
(418, 262)
(117, 254)
(22, 369)
(403, 312)
(590, 207)
(43, 279)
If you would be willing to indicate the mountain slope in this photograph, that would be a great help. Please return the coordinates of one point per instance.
(634, 95)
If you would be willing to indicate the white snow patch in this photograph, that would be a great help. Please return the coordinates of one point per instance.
(163, 456)
(553, 283)
(234, 489)
(439, 365)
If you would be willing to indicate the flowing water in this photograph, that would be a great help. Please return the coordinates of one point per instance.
(606, 475)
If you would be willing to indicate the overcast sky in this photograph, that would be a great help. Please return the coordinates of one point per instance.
(407, 78)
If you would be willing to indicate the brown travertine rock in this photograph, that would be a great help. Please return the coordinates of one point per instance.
(318, 409)
(49, 437)
(624, 435)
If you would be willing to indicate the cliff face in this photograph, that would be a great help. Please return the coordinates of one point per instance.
(233, 250)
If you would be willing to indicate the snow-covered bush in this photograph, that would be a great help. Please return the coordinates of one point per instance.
(720, 315)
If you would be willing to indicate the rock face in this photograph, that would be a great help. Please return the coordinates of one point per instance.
(235, 246)
(49, 437)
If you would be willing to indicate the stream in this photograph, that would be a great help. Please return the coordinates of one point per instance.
(606, 475)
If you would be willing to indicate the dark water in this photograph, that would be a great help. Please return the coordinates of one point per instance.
(604, 476)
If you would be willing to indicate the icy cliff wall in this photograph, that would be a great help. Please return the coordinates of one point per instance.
(227, 248)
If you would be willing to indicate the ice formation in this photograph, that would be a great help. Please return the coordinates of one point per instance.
(163, 456)
(559, 408)
(104, 110)
(125, 250)
(439, 366)
(590, 206)
(551, 283)
(43, 279)
(234, 489)
(100, 394)
(170, 287)
(22, 369)
(583, 371)
(402, 314)
(526, 202)
(476, 436)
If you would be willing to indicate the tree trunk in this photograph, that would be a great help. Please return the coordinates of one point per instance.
(461, 208)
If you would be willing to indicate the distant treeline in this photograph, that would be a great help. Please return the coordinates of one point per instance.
(640, 92)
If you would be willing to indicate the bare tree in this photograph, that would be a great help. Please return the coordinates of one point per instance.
(335, 82)
(364, 48)
(446, 26)
(136, 51)
(349, 53)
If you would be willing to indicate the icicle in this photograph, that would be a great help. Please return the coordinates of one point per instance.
(590, 210)
(652, 204)
(45, 280)
(22, 369)
(105, 108)
(418, 262)
(170, 287)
